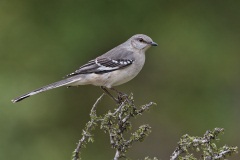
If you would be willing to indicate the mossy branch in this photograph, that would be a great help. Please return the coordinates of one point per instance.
(205, 144)
(87, 136)
(117, 122)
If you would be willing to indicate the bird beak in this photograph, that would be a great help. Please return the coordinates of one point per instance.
(153, 44)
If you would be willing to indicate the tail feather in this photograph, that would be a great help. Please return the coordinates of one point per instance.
(57, 84)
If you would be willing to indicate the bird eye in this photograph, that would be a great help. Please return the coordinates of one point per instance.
(140, 40)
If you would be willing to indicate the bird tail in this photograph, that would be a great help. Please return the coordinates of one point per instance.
(57, 84)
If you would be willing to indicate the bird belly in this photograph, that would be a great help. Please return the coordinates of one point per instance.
(124, 75)
(121, 76)
(93, 78)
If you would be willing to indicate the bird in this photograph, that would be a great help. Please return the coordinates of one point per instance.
(117, 66)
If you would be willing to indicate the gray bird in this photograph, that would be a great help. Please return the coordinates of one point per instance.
(117, 66)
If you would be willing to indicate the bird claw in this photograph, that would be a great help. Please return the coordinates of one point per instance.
(122, 96)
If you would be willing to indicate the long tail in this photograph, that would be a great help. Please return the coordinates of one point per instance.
(63, 82)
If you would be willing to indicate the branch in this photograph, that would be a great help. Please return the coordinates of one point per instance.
(117, 155)
(226, 152)
(86, 135)
(117, 123)
(209, 149)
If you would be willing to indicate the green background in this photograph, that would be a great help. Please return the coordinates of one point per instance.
(193, 75)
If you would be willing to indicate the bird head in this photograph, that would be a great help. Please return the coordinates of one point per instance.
(142, 42)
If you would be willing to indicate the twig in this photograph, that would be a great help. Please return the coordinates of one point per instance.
(117, 155)
(223, 154)
(117, 123)
(86, 133)
(93, 110)
(210, 151)
(176, 153)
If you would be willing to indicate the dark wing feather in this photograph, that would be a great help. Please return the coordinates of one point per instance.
(107, 63)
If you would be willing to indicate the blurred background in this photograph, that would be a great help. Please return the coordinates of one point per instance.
(193, 75)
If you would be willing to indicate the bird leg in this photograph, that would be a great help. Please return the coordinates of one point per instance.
(108, 93)
(118, 92)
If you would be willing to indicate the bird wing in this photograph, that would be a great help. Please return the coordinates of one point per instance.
(108, 62)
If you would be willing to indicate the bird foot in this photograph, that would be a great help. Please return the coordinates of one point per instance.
(120, 95)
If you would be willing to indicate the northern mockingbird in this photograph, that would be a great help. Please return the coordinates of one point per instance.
(117, 66)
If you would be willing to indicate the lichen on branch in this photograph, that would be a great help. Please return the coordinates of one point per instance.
(206, 144)
(115, 123)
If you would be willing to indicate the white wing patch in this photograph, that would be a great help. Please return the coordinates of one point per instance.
(108, 66)
(114, 61)
(103, 68)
